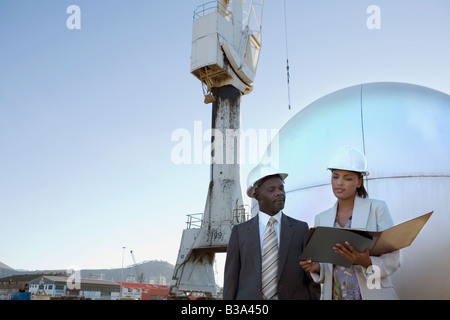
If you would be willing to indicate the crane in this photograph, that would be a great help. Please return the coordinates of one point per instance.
(226, 42)
(139, 274)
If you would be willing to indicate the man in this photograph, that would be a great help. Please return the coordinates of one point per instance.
(247, 254)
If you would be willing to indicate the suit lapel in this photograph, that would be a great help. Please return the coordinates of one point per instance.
(361, 209)
(360, 214)
(286, 232)
(254, 246)
(329, 218)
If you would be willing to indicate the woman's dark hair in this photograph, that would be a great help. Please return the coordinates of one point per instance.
(361, 191)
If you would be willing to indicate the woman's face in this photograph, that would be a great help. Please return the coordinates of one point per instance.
(345, 183)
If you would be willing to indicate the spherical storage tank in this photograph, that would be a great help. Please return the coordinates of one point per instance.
(404, 131)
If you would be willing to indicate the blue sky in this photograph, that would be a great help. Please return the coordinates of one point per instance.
(86, 116)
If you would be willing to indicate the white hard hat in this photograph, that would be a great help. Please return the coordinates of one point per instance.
(259, 173)
(350, 159)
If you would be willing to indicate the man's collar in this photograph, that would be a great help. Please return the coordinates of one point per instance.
(264, 217)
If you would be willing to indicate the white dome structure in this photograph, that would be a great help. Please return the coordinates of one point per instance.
(404, 132)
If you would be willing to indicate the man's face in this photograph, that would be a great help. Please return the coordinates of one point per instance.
(271, 196)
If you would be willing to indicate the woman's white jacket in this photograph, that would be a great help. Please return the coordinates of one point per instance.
(374, 282)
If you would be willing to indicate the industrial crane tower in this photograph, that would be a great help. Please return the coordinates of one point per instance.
(226, 41)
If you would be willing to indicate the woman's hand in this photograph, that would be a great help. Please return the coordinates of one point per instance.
(310, 266)
(350, 253)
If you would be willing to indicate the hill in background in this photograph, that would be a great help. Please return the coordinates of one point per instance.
(147, 270)
(4, 266)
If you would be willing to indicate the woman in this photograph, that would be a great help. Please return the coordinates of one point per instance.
(353, 209)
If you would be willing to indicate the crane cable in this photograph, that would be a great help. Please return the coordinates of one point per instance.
(287, 56)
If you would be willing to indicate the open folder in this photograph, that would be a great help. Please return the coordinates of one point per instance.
(321, 240)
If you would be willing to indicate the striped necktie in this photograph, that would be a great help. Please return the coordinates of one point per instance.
(270, 261)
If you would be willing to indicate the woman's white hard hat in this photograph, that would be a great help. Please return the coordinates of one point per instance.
(350, 159)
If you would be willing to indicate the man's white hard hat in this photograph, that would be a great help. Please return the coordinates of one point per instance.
(350, 159)
(259, 173)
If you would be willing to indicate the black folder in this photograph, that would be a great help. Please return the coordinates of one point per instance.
(321, 240)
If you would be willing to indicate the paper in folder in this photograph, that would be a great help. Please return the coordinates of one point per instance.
(321, 240)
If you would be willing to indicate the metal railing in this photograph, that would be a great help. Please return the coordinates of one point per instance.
(240, 214)
(195, 220)
(213, 6)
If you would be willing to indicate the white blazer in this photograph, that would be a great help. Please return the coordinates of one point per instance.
(372, 215)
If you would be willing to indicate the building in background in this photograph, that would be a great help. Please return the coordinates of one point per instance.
(144, 291)
(14, 285)
(61, 287)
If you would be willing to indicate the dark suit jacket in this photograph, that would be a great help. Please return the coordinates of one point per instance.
(242, 279)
